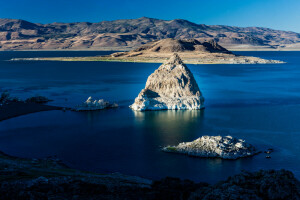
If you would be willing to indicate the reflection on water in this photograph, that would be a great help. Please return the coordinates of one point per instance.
(214, 164)
(168, 116)
(170, 125)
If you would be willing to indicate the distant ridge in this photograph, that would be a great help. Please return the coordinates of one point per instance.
(130, 33)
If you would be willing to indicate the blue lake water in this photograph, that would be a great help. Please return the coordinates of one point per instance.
(258, 103)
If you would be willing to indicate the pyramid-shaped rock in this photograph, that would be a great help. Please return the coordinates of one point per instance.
(171, 87)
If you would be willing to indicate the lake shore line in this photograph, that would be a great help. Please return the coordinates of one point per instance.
(15, 109)
(22, 178)
(229, 60)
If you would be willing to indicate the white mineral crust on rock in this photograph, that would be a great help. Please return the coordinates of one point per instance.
(91, 104)
(214, 146)
(171, 87)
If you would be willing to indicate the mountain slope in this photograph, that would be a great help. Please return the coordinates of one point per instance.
(20, 34)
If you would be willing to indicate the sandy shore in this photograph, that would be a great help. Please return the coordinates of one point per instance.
(15, 109)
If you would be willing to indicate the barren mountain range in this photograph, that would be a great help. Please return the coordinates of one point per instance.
(131, 33)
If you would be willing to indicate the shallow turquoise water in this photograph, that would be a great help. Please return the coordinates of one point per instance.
(259, 103)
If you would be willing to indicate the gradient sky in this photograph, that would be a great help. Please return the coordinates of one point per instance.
(277, 14)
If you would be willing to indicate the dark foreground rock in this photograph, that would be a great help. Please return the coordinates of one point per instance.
(50, 179)
(264, 184)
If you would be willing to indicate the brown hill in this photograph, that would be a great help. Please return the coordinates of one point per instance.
(173, 45)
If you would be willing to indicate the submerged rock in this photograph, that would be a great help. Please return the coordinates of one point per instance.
(91, 104)
(214, 146)
(171, 87)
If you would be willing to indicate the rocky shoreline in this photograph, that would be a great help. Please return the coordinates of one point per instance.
(13, 107)
(49, 178)
(16, 109)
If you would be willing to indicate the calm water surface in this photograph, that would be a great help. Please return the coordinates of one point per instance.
(259, 103)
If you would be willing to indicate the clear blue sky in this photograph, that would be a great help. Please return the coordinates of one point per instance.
(277, 14)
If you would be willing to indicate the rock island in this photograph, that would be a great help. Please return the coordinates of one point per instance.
(226, 147)
(171, 87)
(192, 51)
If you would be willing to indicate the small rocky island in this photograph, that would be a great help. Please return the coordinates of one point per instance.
(91, 104)
(214, 147)
(192, 51)
(171, 87)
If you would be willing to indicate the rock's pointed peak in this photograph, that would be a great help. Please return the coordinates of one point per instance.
(174, 60)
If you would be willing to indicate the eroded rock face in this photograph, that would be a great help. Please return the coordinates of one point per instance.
(172, 86)
(214, 146)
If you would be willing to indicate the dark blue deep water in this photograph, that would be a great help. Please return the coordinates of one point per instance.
(258, 103)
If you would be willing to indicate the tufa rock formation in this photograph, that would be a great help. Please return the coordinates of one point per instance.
(214, 147)
(91, 104)
(171, 87)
